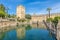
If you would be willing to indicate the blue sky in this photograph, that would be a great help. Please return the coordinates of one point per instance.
(32, 6)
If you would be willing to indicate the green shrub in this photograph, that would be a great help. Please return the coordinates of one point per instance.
(54, 21)
(49, 19)
(21, 20)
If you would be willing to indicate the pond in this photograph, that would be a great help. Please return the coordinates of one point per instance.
(27, 34)
(33, 34)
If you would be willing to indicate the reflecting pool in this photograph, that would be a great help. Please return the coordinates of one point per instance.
(33, 34)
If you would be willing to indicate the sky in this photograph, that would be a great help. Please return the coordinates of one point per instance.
(32, 6)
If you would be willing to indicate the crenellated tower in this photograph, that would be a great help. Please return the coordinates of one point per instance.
(20, 12)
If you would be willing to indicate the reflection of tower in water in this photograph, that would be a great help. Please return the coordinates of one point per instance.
(20, 33)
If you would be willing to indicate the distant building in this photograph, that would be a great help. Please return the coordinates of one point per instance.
(40, 18)
(20, 12)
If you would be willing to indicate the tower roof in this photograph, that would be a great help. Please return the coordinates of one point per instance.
(21, 6)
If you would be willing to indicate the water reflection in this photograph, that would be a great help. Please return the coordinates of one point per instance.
(30, 34)
(34, 34)
(40, 25)
(11, 35)
(20, 32)
(38, 34)
(2, 35)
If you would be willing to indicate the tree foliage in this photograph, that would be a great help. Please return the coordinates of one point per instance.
(2, 11)
(2, 7)
(13, 16)
(49, 19)
(49, 9)
(54, 21)
(9, 16)
(28, 16)
(2, 14)
(21, 20)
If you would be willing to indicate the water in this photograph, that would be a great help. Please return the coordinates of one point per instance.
(11, 35)
(33, 34)
(38, 34)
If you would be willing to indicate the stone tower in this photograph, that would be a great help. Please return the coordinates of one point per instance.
(20, 12)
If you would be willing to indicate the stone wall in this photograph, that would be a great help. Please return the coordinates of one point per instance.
(38, 25)
(7, 23)
(40, 18)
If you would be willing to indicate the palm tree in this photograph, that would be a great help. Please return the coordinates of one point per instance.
(49, 9)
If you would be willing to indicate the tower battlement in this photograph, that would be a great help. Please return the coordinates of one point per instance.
(20, 12)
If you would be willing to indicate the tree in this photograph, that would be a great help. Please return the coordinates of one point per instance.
(2, 11)
(54, 21)
(49, 9)
(28, 16)
(49, 19)
(2, 14)
(2, 7)
(13, 15)
(9, 16)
